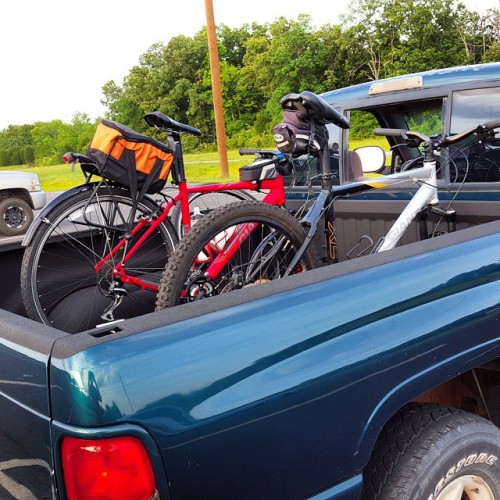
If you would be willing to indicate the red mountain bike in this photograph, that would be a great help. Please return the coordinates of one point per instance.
(95, 253)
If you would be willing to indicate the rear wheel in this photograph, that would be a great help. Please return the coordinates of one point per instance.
(265, 238)
(59, 283)
(432, 452)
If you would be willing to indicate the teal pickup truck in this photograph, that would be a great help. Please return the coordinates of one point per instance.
(377, 377)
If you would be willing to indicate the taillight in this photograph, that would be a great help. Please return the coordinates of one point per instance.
(112, 468)
(68, 158)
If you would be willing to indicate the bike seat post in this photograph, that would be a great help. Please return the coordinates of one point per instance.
(175, 143)
(326, 173)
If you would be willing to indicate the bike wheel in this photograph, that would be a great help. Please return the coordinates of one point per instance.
(201, 204)
(59, 284)
(262, 255)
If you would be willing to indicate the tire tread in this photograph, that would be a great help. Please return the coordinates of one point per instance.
(167, 293)
(404, 443)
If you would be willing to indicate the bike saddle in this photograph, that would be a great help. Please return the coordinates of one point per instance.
(157, 119)
(310, 104)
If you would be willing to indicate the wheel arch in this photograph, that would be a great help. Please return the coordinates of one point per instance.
(17, 193)
(447, 383)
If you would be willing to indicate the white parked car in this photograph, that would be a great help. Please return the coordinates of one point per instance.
(20, 194)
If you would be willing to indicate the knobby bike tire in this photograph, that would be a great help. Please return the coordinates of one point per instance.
(263, 256)
(59, 284)
(201, 204)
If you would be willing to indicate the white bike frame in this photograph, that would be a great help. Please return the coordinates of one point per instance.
(426, 195)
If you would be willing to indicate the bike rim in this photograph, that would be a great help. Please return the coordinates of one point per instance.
(264, 256)
(64, 282)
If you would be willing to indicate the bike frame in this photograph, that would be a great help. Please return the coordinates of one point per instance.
(275, 196)
(426, 195)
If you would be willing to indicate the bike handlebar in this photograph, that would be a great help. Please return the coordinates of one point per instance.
(390, 132)
(249, 151)
(492, 124)
(265, 153)
(441, 140)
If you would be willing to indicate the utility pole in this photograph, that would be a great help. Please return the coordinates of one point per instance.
(220, 127)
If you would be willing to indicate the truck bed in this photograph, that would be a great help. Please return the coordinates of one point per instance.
(242, 381)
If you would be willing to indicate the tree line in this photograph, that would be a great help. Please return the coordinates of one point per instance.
(44, 143)
(260, 63)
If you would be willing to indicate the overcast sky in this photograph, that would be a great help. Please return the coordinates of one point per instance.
(57, 54)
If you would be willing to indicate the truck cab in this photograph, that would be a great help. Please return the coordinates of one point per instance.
(447, 101)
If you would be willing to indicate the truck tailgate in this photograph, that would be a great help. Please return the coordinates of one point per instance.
(25, 454)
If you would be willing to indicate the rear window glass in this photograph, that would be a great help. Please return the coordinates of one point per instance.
(471, 108)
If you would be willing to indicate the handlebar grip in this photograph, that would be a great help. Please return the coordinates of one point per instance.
(492, 124)
(249, 151)
(390, 132)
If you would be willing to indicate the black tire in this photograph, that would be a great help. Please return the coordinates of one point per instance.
(201, 204)
(277, 237)
(59, 285)
(425, 451)
(16, 215)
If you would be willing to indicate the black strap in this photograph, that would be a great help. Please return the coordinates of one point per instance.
(312, 135)
(132, 182)
(137, 196)
(153, 175)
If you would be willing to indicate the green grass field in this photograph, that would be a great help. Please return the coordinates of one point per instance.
(200, 168)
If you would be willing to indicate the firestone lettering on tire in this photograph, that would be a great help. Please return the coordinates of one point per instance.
(475, 458)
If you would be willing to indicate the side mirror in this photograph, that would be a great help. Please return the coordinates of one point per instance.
(372, 158)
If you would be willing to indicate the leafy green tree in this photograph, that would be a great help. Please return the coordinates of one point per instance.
(232, 43)
(75, 136)
(16, 147)
(45, 140)
(492, 54)
(52, 139)
(408, 36)
(255, 82)
(296, 59)
(490, 29)
(346, 62)
(120, 107)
